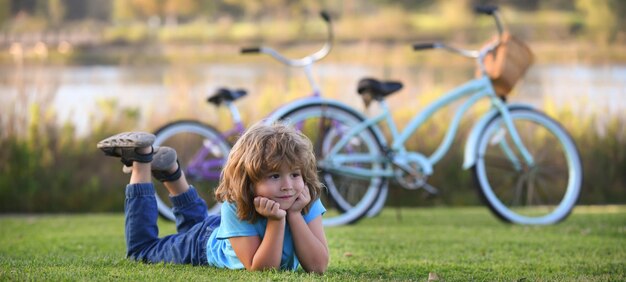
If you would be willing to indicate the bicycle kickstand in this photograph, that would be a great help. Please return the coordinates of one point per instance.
(432, 190)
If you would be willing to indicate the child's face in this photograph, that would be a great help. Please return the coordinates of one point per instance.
(282, 186)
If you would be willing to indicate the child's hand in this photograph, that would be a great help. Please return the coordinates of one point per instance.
(268, 208)
(303, 199)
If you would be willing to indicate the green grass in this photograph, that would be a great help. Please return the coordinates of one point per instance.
(458, 244)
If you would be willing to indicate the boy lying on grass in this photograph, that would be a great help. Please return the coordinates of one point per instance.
(271, 217)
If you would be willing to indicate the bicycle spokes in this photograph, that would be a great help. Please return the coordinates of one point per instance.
(528, 189)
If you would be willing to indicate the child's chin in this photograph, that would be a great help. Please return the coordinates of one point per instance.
(285, 206)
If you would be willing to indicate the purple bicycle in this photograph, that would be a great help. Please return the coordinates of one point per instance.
(202, 149)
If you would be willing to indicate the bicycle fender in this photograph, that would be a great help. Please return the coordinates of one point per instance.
(284, 109)
(471, 150)
(310, 101)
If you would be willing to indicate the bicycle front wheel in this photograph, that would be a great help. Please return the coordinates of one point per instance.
(202, 152)
(347, 198)
(544, 192)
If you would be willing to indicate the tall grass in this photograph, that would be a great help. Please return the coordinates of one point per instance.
(51, 171)
(43, 166)
(603, 151)
(48, 169)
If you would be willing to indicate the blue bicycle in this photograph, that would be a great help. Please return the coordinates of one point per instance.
(526, 165)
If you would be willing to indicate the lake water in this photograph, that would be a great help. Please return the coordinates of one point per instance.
(74, 91)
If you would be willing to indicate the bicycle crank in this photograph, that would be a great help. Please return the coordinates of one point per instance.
(410, 175)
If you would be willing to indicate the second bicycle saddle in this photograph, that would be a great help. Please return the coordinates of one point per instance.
(370, 88)
(224, 94)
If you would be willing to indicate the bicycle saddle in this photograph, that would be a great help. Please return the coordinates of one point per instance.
(377, 89)
(224, 94)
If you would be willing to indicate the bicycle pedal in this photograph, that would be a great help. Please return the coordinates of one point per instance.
(432, 191)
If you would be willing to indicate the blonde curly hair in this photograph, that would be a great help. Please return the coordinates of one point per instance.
(261, 149)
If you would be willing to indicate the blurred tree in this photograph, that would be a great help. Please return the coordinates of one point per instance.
(56, 12)
(100, 10)
(457, 15)
(600, 22)
(567, 5)
(145, 8)
(23, 6)
(619, 8)
(251, 9)
(174, 9)
(122, 12)
(5, 11)
(275, 9)
(170, 10)
(413, 5)
(76, 9)
(304, 7)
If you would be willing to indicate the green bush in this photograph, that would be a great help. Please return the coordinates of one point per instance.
(50, 170)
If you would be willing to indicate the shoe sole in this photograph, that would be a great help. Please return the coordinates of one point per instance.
(127, 140)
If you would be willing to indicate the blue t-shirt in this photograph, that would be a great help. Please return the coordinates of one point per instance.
(220, 252)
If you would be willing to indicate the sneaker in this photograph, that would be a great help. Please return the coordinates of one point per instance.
(164, 159)
(124, 145)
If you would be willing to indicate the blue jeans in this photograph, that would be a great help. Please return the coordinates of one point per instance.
(193, 224)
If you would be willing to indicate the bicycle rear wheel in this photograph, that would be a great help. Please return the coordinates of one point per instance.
(202, 153)
(542, 193)
(347, 198)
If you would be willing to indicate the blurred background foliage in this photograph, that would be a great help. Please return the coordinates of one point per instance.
(91, 25)
(46, 166)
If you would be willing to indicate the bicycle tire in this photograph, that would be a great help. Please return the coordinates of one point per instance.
(346, 200)
(544, 193)
(202, 152)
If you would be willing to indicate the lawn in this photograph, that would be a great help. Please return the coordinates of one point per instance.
(456, 244)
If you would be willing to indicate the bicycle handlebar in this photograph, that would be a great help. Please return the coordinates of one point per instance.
(491, 11)
(302, 62)
(250, 50)
(325, 16)
(424, 46)
(485, 9)
(479, 9)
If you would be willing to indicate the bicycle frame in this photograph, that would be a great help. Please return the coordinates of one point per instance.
(200, 165)
(474, 90)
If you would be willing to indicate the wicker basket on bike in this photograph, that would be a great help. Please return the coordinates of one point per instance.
(507, 63)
